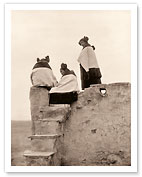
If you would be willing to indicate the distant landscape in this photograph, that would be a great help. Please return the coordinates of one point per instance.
(20, 131)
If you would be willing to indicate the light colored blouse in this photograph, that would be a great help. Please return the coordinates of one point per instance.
(87, 58)
(43, 77)
(67, 83)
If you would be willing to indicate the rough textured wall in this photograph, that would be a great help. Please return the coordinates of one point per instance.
(47, 130)
(39, 100)
(98, 131)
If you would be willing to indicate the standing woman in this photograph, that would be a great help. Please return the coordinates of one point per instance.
(90, 71)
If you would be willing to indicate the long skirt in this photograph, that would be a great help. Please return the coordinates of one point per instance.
(93, 76)
(63, 98)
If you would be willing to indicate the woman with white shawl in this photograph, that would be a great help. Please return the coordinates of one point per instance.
(42, 74)
(65, 92)
(90, 71)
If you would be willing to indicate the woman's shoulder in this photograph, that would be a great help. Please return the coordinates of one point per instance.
(89, 48)
(72, 72)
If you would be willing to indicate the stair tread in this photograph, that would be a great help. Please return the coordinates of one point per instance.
(58, 119)
(45, 136)
(55, 108)
(38, 154)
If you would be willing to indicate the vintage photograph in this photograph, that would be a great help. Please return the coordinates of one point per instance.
(71, 87)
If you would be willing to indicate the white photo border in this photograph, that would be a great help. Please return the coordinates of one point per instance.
(8, 9)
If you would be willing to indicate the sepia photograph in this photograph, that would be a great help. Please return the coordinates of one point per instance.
(71, 76)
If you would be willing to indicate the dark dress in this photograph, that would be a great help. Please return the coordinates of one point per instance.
(63, 98)
(66, 97)
(93, 76)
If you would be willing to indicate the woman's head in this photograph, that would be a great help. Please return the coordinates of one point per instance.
(63, 69)
(46, 59)
(84, 41)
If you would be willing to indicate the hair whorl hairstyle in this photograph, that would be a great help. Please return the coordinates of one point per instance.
(93, 47)
(63, 66)
(85, 38)
(37, 59)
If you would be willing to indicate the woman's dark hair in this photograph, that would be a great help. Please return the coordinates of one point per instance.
(93, 47)
(42, 63)
(46, 59)
(38, 59)
(85, 38)
(63, 66)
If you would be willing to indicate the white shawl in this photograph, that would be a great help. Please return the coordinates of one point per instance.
(68, 83)
(43, 77)
(87, 58)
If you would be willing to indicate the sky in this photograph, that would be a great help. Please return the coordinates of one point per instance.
(36, 34)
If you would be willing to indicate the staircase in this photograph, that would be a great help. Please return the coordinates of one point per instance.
(47, 130)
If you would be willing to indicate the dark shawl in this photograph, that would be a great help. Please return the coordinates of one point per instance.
(42, 64)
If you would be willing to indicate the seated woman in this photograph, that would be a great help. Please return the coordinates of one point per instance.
(66, 90)
(42, 74)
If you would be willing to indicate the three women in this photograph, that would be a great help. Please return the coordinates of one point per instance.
(65, 92)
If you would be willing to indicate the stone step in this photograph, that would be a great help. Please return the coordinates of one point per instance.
(55, 119)
(38, 154)
(41, 158)
(49, 136)
(45, 143)
(47, 126)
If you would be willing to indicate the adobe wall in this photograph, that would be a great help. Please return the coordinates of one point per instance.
(98, 132)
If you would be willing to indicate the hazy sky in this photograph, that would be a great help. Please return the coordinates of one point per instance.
(56, 33)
